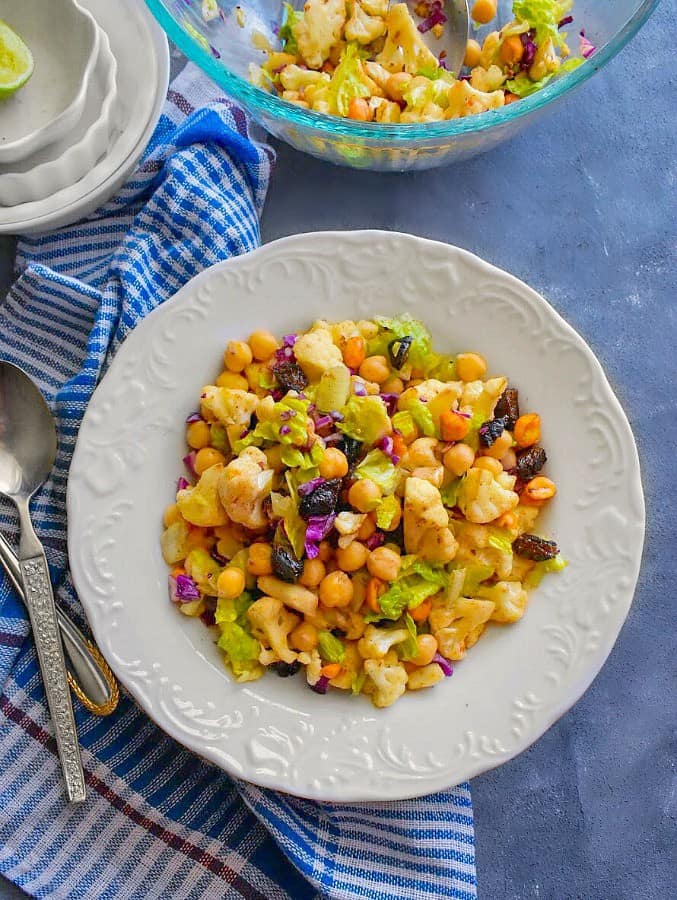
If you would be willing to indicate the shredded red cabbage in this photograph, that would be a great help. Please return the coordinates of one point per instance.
(390, 401)
(285, 429)
(567, 20)
(323, 421)
(336, 415)
(359, 389)
(317, 529)
(321, 685)
(530, 48)
(375, 540)
(436, 17)
(208, 617)
(332, 438)
(193, 417)
(387, 446)
(287, 414)
(444, 664)
(182, 589)
(182, 484)
(286, 352)
(309, 486)
(587, 48)
(189, 462)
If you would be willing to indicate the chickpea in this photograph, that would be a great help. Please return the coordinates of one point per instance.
(313, 573)
(367, 528)
(509, 460)
(336, 589)
(206, 458)
(326, 551)
(230, 583)
(490, 464)
(483, 11)
(359, 109)
(459, 458)
(333, 464)
(396, 84)
(304, 637)
(470, 366)
(427, 648)
(259, 559)
(198, 435)
(376, 369)
(171, 515)
(354, 352)
(263, 344)
(539, 489)
(238, 355)
(353, 557)
(383, 563)
(528, 430)
(232, 381)
(500, 446)
(473, 54)
(397, 518)
(453, 426)
(392, 385)
(364, 495)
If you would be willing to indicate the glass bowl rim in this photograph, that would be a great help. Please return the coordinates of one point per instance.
(258, 100)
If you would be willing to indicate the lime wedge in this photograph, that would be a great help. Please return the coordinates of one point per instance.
(16, 61)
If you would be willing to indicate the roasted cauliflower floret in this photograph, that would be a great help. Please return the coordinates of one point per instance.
(201, 505)
(317, 353)
(174, 542)
(404, 47)
(454, 623)
(271, 622)
(313, 668)
(229, 406)
(464, 100)
(294, 595)
(425, 676)
(376, 642)
(510, 599)
(487, 80)
(389, 680)
(294, 78)
(482, 395)
(350, 668)
(483, 497)
(426, 523)
(319, 29)
(545, 61)
(367, 20)
(244, 485)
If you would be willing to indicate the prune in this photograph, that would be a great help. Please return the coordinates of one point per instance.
(352, 448)
(491, 431)
(322, 501)
(529, 463)
(530, 546)
(284, 670)
(508, 407)
(399, 350)
(285, 565)
(290, 376)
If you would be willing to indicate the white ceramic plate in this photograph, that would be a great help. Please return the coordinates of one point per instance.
(140, 48)
(276, 732)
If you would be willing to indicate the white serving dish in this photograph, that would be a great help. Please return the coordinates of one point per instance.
(64, 40)
(54, 168)
(142, 53)
(275, 732)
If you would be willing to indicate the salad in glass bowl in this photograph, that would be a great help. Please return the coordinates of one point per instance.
(367, 60)
(357, 506)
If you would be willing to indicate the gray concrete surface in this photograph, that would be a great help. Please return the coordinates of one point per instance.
(582, 207)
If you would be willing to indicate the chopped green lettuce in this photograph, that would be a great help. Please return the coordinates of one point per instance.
(286, 35)
(241, 648)
(418, 580)
(387, 512)
(365, 419)
(286, 508)
(288, 425)
(348, 82)
(331, 648)
(219, 438)
(523, 86)
(543, 16)
(449, 492)
(548, 567)
(474, 576)
(204, 570)
(404, 423)
(409, 648)
(379, 468)
(402, 326)
(500, 539)
(358, 682)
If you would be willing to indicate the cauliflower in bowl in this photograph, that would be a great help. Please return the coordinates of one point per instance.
(371, 61)
(357, 506)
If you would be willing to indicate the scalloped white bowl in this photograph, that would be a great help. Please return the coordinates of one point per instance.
(276, 732)
(63, 164)
(64, 39)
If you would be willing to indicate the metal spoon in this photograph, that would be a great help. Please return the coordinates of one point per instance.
(27, 454)
(451, 44)
(89, 675)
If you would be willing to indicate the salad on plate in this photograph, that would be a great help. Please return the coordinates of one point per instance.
(357, 506)
(367, 59)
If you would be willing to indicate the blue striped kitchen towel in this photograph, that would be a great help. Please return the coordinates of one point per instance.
(158, 822)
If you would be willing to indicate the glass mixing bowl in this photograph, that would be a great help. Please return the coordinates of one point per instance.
(223, 48)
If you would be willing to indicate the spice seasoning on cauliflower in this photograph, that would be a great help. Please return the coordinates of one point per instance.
(369, 61)
(364, 528)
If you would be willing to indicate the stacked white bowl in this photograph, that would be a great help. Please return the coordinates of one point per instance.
(73, 133)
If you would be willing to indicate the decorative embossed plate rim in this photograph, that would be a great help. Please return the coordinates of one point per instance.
(514, 684)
